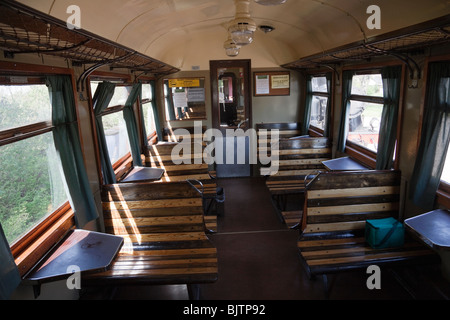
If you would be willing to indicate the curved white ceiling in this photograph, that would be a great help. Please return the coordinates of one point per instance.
(186, 33)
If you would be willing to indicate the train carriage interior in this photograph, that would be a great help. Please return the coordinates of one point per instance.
(224, 150)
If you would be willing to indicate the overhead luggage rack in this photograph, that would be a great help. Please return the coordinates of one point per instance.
(400, 44)
(24, 31)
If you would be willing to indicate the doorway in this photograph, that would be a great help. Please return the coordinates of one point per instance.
(231, 110)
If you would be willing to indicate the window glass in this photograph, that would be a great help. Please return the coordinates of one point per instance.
(366, 107)
(149, 119)
(31, 185)
(146, 91)
(368, 85)
(22, 105)
(319, 84)
(318, 111)
(364, 124)
(116, 135)
(120, 96)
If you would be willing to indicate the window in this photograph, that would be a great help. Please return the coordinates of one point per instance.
(147, 110)
(31, 186)
(116, 134)
(319, 102)
(366, 107)
(185, 99)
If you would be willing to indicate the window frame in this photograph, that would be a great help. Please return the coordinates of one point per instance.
(367, 156)
(314, 131)
(152, 82)
(443, 192)
(123, 164)
(32, 246)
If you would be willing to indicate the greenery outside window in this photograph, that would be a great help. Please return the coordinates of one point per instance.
(31, 186)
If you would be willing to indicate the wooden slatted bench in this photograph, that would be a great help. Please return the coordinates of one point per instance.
(299, 160)
(337, 204)
(164, 236)
(198, 170)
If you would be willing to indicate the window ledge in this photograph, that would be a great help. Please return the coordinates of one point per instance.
(366, 157)
(443, 195)
(27, 257)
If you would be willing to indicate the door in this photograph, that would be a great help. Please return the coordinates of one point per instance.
(231, 110)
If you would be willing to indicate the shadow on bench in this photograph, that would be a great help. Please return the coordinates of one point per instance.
(164, 236)
(337, 204)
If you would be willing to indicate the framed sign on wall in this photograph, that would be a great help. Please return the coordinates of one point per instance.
(276, 83)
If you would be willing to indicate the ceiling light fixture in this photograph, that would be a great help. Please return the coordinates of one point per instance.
(231, 48)
(270, 2)
(242, 28)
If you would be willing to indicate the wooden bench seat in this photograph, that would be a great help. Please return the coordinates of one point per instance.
(164, 235)
(298, 160)
(337, 204)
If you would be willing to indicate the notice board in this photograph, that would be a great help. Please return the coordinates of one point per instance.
(274, 83)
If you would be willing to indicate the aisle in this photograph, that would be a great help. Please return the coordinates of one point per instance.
(258, 258)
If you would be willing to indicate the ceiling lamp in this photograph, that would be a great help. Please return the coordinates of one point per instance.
(231, 48)
(270, 2)
(242, 28)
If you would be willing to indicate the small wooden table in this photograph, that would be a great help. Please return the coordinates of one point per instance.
(143, 174)
(88, 251)
(432, 227)
(344, 164)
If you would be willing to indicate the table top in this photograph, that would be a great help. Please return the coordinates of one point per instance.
(344, 164)
(432, 227)
(88, 251)
(141, 174)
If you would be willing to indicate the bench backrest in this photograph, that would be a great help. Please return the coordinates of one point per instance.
(342, 201)
(299, 156)
(193, 166)
(143, 212)
(286, 130)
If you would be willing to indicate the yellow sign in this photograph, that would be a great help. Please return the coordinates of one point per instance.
(184, 83)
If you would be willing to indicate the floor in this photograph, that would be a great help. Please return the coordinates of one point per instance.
(258, 260)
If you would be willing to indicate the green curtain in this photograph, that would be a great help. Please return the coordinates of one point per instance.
(132, 127)
(67, 143)
(9, 273)
(101, 100)
(347, 79)
(434, 139)
(392, 77)
(307, 112)
(326, 131)
(155, 112)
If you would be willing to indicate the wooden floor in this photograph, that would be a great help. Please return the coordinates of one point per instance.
(258, 260)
